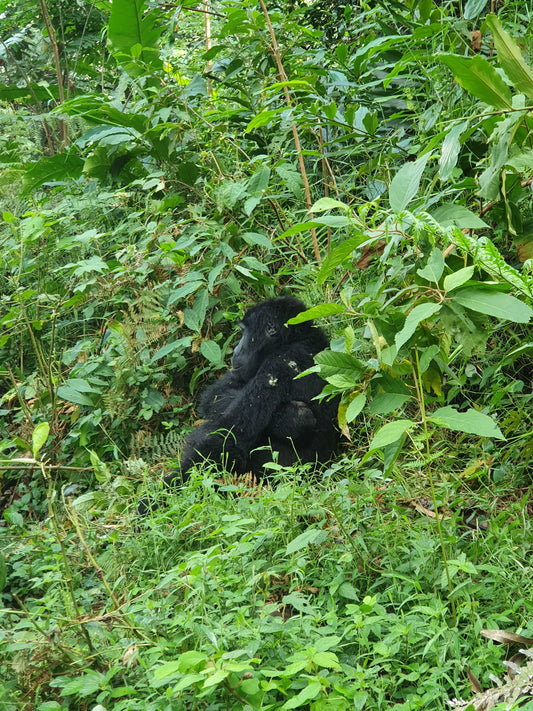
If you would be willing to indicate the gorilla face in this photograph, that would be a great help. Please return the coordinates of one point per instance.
(264, 331)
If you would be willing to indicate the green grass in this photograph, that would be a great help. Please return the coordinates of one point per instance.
(312, 595)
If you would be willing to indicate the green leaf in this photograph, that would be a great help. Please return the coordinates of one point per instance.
(418, 314)
(311, 691)
(319, 311)
(473, 8)
(326, 203)
(311, 536)
(478, 76)
(432, 272)
(52, 169)
(510, 57)
(133, 34)
(71, 394)
(389, 433)
(3, 572)
(385, 403)
(494, 303)
(332, 363)
(327, 660)
(39, 437)
(338, 256)
(211, 351)
(471, 422)
(355, 407)
(404, 186)
(451, 147)
(458, 215)
(458, 278)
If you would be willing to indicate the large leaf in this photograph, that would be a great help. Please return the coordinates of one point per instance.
(389, 433)
(418, 314)
(338, 255)
(471, 421)
(494, 303)
(404, 186)
(510, 58)
(133, 34)
(318, 311)
(479, 77)
(52, 169)
(458, 215)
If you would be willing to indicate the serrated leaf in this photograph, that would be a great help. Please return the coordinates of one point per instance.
(458, 278)
(389, 433)
(510, 57)
(404, 186)
(494, 303)
(471, 422)
(418, 314)
(477, 76)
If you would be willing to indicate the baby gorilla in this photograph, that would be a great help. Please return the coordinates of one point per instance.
(257, 407)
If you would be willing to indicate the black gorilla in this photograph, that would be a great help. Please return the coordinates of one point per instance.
(258, 407)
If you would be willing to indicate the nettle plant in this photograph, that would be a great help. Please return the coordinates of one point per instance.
(427, 309)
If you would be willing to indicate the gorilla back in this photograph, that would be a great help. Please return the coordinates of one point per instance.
(257, 407)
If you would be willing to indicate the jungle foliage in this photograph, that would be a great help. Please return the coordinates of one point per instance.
(162, 167)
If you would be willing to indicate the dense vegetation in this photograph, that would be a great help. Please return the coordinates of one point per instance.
(162, 167)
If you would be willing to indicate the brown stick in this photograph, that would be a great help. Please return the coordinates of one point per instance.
(296, 138)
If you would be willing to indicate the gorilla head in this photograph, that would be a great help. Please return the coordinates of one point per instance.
(264, 332)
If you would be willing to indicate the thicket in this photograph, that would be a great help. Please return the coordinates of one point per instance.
(164, 166)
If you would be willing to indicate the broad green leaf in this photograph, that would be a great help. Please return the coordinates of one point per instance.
(478, 76)
(355, 407)
(319, 311)
(51, 169)
(451, 147)
(332, 363)
(263, 118)
(389, 433)
(338, 256)
(418, 314)
(458, 215)
(67, 392)
(494, 303)
(326, 203)
(180, 344)
(432, 272)
(510, 58)
(311, 691)
(404, 186)
(458, 278)
(312, 535)
(211, 351)
(133, 33)
(473, 8)
(39, 437)
(336, 221)
(327, 660)
(385, 403)
(471, 422)
(259, 180)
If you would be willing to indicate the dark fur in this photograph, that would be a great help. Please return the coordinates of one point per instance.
(258, 407)
(259, 404)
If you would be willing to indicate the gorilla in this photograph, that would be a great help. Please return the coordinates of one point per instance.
(257, 407)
